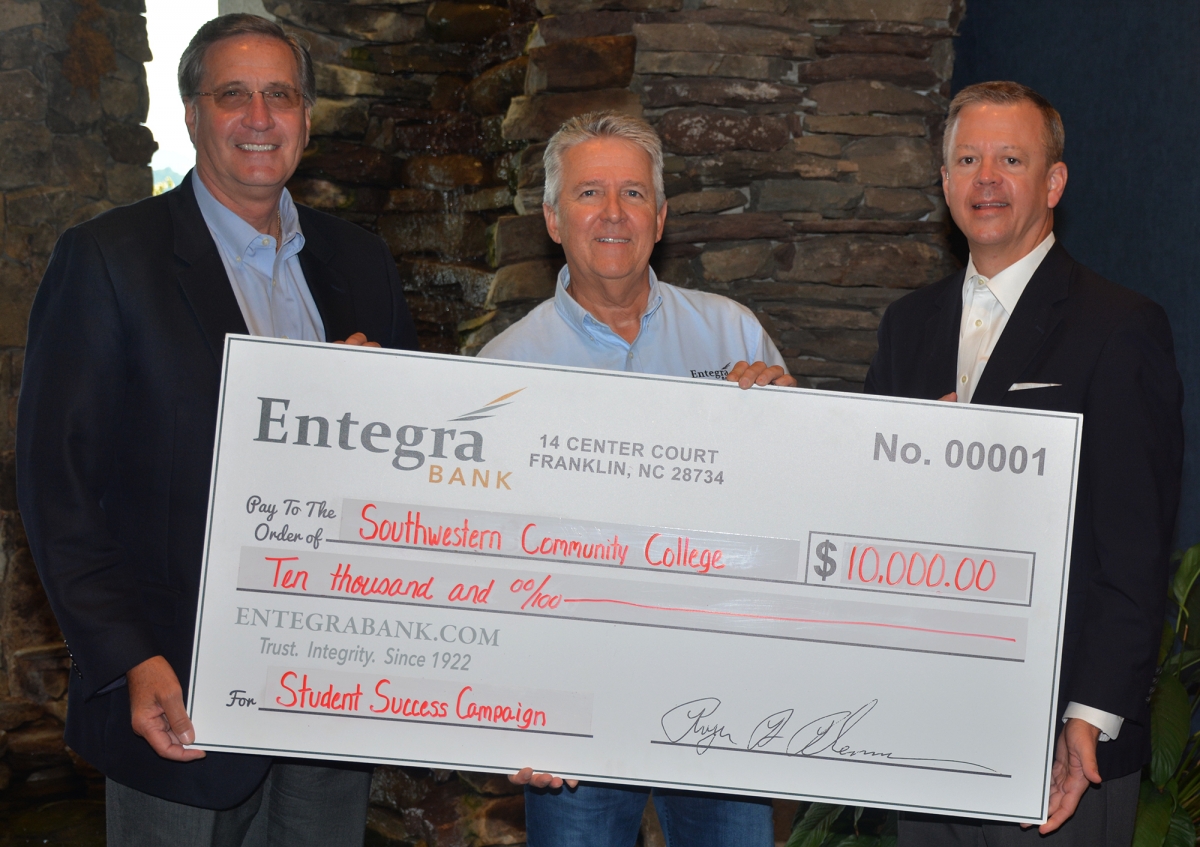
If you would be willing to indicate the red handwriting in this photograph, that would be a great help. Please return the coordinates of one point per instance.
(608, 551)
(308, 698)
(786, 619)
(412, 531)
(537, 598)
(523, 716)
(470, 593)
(290, 578)
(409, 707)
(683, 555)
(901, 570)
(348, 583)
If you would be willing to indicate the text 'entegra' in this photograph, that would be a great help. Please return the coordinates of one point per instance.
(313, 431)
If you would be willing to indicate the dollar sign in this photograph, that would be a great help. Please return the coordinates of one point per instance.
(828, 565)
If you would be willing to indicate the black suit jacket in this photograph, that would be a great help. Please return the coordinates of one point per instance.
(1111, 351)
(115, 433)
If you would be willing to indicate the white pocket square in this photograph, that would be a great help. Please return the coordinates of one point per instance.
(1025, 386)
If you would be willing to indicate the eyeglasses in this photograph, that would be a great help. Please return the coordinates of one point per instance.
(235, 99)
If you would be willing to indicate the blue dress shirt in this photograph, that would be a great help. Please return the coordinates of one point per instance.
(268, 283)
(683, 333)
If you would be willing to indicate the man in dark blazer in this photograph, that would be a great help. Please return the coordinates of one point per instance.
(116, 423)
(1026, 326)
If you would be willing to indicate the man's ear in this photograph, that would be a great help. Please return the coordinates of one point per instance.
(189, 117)
(1056, 183)
(945, 183)
(662, 220)
(552, 222)
(307, 125)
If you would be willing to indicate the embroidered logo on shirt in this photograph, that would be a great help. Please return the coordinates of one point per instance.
(719, 373)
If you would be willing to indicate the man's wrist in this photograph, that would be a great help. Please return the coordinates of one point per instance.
(1108, 723)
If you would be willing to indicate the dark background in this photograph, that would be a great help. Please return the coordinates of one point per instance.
(1124, 76)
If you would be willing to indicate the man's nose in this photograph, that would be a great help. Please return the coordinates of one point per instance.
(258, 114)
(613, 210)
(987, 171)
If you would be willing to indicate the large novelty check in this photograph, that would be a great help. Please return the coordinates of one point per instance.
(420, 559)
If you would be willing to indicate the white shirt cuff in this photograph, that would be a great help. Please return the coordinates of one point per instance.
(1108, 724)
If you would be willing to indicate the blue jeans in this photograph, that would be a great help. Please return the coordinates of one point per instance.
(609, 816)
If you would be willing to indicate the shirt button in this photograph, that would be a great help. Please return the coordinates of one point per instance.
(964, 379)
(238, 259)
(978, 323)
(266, 242)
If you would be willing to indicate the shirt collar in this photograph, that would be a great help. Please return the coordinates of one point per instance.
(237, 235)
(583, 321)
(1009, 284)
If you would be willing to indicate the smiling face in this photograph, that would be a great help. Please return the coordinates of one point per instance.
(245, 156)
(999, 186)
(607, 220)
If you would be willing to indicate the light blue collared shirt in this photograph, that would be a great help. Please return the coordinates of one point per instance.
(269, 285)
(683, 333)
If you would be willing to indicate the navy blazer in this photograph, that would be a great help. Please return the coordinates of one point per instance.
(115, 431)
(1108, 351)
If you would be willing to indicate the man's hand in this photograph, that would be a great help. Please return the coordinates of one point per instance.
(156, 710)
(526, 776)
(358, 340)
(952, 397)
(746, 375)
(1073, 772)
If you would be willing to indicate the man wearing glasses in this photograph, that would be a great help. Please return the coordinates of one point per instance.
(115, 431)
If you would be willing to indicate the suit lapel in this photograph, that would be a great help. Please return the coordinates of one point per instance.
(329, 291)
(200, 272)
(1033, 320)
(941, 331)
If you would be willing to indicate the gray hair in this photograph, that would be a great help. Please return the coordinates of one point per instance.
(191, 63)
(602, 125)
(1009, 94)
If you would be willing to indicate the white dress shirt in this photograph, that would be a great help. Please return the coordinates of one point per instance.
(987, 306)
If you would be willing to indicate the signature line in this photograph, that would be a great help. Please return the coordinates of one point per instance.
(989, 772)
(788, 620)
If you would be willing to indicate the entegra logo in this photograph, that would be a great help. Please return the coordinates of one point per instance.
(719, 373)
(478, 414)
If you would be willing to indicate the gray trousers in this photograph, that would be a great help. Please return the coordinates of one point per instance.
(298, 805)
(1104, 818)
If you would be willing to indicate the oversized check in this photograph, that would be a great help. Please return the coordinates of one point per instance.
(461, 563)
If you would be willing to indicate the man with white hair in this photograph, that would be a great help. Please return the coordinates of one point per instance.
(605, 204)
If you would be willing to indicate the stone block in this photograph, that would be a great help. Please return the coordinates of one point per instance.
(518, 238)
(321, 194)
(473, 283)
(415, 200)
(706, 202)
(17, 287)
(532, 169)
(38, 745)
(25, 154)
(449, 236)
(444, 172)
(894, 162)
(658, 92)
(495, 820)
(695, 229)
(604, 61)
(490, 785)
(805, 195)
(530, 280)
(22, 96)
(867, 260)
(458, 132)
(902, 70)
(741, 166)
(388, 826)
(421, 58)
(20, 13)
(743, 261)
(340, 116)
(907, 11)
(699, 131)
(817, 145)
(131, 38)
(717, 38)
(470, 23)
(866, 125)
(129, 183)
(713, 64)
(503, 46)
(486, 199)
(13, 713)
(876, 42)
(79, 161)
(537, 118)
(339, 81)
(863, 97)
(896, 203)
(585, 25)
(69, 109)
(349, 20)
(347, 161)
(124, 100)
(490, 92)
(567, 7)
(41, 673)
(775, 7)
(130, 144)
(529, 201)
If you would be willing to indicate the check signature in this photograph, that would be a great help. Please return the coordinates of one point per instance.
(695, 724)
